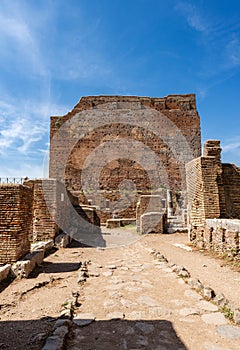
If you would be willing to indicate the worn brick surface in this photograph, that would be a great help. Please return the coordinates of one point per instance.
(15, 221)
(54, 209)
(180, 110)
(213, 193)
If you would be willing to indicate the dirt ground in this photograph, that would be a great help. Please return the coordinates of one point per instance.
(137, 302)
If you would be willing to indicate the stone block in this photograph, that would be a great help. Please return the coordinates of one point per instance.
(23, 268)
(46, 246)
(4, 271)
(236, 315)
(151, 223)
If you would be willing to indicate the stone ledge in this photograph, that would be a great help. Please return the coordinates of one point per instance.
(46, 246)
(24, 267)
(229, 224)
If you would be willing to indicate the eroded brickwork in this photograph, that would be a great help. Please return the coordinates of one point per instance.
(56, 210)
(169, 127)
(15, 222)
(213, 187)
(231, 183)
(44, 225)
(214, 200)
(220, 235)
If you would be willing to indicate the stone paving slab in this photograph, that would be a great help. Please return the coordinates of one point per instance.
(150, 308)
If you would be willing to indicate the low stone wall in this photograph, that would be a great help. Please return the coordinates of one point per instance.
(220, 235)
(113, 223)
(15, 221)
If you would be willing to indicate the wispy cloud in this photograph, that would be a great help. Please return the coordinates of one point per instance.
(233, 51)
(233, 146)
(25, 125)
(219, 38)
(193, 16)
(231, 149)
(18, 40)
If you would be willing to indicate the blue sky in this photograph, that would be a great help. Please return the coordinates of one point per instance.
(52, 52)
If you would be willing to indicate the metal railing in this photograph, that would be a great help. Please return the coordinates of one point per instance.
(11, 180)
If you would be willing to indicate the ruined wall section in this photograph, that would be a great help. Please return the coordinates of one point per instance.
(214, 199)
(179, 109)
(231, 183)
(56, 210)
(195, 192)
(205, 185)
(44, 225)
(220, 235)
(15, 221)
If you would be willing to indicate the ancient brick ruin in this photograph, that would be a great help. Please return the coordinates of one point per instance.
(214, 200)
(121, 160)
(37, 211)
(167, 127)
(15, 221)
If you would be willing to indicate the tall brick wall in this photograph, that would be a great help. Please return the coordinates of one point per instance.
(195, 192)
(15, 221)
(178, 110)
(44, 225)
(204, 190)
(214, 199)
(231, 183)
(213, 187)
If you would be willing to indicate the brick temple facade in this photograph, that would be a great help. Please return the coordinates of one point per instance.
(141, 142)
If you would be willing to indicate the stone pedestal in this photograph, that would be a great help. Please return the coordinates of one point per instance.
(151, 223)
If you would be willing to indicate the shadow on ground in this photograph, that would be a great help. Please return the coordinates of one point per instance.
(25, 334)
(49, 267)
(99, 335)
(125, 335)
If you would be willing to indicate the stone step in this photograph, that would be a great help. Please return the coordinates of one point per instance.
(177, 229)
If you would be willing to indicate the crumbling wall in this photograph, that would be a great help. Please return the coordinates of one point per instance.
(220, 235)
(203, 175)
(213, 188)
(15, 221)
(54, 209)
(179, 110)
(44, 223)
(231, 183)
(214, 199)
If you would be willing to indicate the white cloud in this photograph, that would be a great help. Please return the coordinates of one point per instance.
(23, 126)
(16, 30)
(231, 147)
(233, 52)
(19, 41)
(231, 150)
(193, 17)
